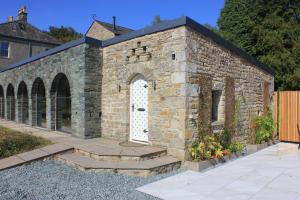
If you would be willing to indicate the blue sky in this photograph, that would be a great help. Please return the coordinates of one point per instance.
(135, 14)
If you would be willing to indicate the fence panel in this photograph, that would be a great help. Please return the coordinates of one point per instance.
(287, 115)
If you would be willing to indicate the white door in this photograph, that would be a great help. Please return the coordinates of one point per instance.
(139, 109)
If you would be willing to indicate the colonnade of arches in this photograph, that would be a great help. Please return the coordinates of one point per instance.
(20, 106)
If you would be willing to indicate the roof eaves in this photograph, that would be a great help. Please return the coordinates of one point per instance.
(146, 31)
(30, 40)
(186, 21)
(55, 50)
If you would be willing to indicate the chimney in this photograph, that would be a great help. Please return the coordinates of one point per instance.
(10, 19)
(114, 22)
(22, 15)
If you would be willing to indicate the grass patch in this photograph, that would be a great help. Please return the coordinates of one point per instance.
(14, 142)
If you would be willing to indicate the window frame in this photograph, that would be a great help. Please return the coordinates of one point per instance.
(215, 117)
(8, 49)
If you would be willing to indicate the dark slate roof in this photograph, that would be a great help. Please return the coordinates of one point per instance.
(120, 30)
(183, 21)
(26, 31)
(186, 21)
(52, 51)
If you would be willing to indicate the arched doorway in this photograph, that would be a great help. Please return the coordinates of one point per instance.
(139, 109)
(10, 102)
(61, 103)
(22, 97)
(2, 114)
(38, 98)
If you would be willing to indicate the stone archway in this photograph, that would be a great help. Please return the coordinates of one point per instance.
(61, 102)
(2, 102)
(10, 102)
(38, 99)
(23, 103)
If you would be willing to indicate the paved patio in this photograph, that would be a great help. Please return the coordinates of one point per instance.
(94, 154)
(273, 173)
(100, 146)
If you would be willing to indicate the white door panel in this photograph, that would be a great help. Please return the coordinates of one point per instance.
(139, 109)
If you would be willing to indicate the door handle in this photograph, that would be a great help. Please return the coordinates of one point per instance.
(132, 107)
(145, 131)
(141, 109)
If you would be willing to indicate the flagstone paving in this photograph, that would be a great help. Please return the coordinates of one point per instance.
(96, 154)
(273, 173)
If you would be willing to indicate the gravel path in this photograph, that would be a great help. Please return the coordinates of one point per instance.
(53, 180)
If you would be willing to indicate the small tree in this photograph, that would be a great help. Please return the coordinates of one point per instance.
(268, 30)
(64, 34)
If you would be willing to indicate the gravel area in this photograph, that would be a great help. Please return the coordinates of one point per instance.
(53, 180)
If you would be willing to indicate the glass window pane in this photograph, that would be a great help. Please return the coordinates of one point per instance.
(4, 49)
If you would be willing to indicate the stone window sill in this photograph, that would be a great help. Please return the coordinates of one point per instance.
(3, 57)
(218, 123)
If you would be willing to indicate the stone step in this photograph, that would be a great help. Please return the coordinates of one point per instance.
(50, 151)
(144, 168)
(125, 153)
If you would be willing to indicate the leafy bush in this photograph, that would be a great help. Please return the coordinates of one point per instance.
(207, 148)
(236, 147)
(262, 128)
(13, 142)
(224, 138)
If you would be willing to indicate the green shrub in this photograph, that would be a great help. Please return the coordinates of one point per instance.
(236, 147)
(262, 128)
(13, 142)
(206, 148)
(224, 138)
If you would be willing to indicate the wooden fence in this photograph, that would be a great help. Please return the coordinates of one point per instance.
(287, 115)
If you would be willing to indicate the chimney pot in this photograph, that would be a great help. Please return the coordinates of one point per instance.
(22, 14)
(10, 19)
(114, 22)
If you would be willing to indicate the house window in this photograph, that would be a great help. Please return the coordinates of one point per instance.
(4, 46)
(216, 98)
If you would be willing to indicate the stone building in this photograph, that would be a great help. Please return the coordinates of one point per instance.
(161, 86)
(19, 39)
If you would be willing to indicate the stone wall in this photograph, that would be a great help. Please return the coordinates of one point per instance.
(82, 67)
(160, 58)
(92, 91)
(205, 56)
(99, 32)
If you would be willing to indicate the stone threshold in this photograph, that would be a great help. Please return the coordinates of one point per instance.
(34, 155)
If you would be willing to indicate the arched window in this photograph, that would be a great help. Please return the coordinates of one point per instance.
(22, 97)
(10, 102)
(61, 103)
(38, 99)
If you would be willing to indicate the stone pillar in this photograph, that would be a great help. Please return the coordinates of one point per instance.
(18, 110)
(50, 114)
(14, 109)
(5, 107)
(30, 111)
